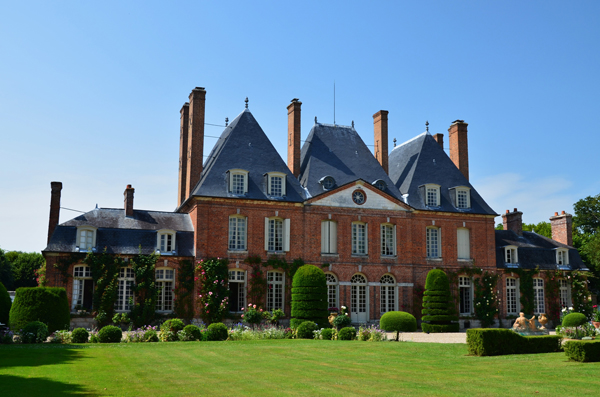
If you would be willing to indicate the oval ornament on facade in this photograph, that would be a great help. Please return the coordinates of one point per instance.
(359, 197)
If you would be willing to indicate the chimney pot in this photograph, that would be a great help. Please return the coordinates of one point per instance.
(55, 189)
(380, 126)
(515, 210)
(562, 212)
(294, 133)
(556, 214)
(459, 146)
(507, 211)
(513, 221)
(128, 200)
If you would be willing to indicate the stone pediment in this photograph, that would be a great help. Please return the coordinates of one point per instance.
(350, 196)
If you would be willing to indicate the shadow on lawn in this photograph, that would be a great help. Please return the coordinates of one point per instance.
(18, 386)
(38, 355)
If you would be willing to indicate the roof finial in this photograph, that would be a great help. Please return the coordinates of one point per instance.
(246, 102)
(394, 142)
(427, 126)
(352, 123)
(226, 121)
(315, 119)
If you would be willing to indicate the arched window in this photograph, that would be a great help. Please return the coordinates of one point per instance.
(83, 288)
(165, 283)
(125, 293)
(332, 290)
(359, 299)
(388, 293)
(237, 290)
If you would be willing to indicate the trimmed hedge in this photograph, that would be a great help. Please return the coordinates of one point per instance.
(295, 322)
(35, 332)
(438, 307)
(79, 335)
(327, 334)
(193, 330)
(217, 332)
(305, 330)
(398, 322)
(309, 295)
(5, 304)
(46, 304)
(496, 342)
(171, 327)
(574, 320)
(348, 333)
(584, 351)
(110, 334)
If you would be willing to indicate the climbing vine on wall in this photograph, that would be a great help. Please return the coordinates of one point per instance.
(486, 298)
(213, 289)
(526, 288)
(63, 265)
(579, 292)
(184, 299)
(105, 272)
(145, 290)
(552, 289)
(257, 282)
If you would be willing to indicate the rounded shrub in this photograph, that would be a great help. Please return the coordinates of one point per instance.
(327, 334)
(438, 307)
(305, 330)
(5, 304)
(217, 331)
(309, 295)
(342, 321)
(150, 336)
(170, 328)
(46, 304)
(348, 333)
(80, 335)
(110, 334)
(574, 320)
(398, 322)
(295, 322)
(194, 331)
(35, 332)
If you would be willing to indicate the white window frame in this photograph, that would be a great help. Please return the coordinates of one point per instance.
(388, 294)
(126, 282)
(272, 234)
(463, 247)
(434, 189)
(328, 237)
(165, 280)
(90, 238)
(511, 254)
(275, 283)
(538, 296)
(433, 242)
(565, 293)
(238, 233)
(244, 174)
(81, 274)
(465, 296)
(270, 177)
(333, 290)
(359, 284)
(238, 277)
(388, 239)
(166, 233)
(513, 306)
(562, 256)
(360, 238)
(467, 191)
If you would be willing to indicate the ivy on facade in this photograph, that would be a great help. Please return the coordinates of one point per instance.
(184, 298)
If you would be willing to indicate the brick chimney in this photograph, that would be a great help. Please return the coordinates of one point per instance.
(55, 188)
(195, 147)
(380, 125)
(294, 136)
(439, 138)
(562, 228)
(183, 144)
(513, 221)
(128, 193)
(459, 146)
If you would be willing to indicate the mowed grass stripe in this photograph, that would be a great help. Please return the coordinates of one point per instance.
(287, 367)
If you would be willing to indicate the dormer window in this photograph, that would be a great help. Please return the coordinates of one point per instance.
(86, 238)
(238, 181)
(166, 242)
(562, 256)
(380, 184)
(276, 184)
(463, 197)
(432, 195)
(327, 182)
(510, 254)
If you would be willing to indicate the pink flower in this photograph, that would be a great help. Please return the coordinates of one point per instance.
(242, 308)
(199, 295)
(210, 293)
(249, 304)
(261, 310)
(255, 306)
(242, 316)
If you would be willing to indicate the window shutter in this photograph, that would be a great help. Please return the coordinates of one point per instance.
(286, 235)
(333, 237)
(394, 231)
(266, 234)
(324, 236)
(245, 183)
(229, 182)
(268, 184)
(366, 239)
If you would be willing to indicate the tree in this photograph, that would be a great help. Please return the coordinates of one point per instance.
(6, 272)
(309, 296)
(24, 266)
(586, 236)
(542, 228)
(587, 215)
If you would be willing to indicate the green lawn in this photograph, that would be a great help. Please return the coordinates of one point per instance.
(286, 367)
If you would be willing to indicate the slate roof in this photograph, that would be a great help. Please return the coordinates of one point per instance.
(339, 152)
(244, 145)
(421, 160)
(124, 235)
(534, 250)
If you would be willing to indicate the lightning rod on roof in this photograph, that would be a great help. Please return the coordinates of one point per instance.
(246, 102)
(333, 102)
(427, 125)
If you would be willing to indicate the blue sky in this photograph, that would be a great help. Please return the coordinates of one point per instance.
(90, 92)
